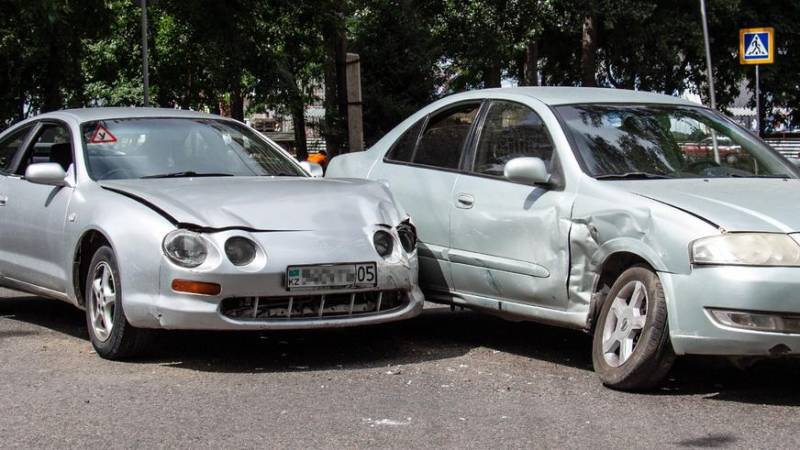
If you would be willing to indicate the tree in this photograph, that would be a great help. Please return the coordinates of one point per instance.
(289, 64)
(780, 88)
(112, 75)
(220, 40)
(41, 48)
(399, 75)
(480, 37)
(332, 20)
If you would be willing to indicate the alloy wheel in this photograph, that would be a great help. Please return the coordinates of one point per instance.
(103, 299)
(625, 323)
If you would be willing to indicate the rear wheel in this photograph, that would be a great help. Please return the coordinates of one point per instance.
(631, 348)
(111, 334)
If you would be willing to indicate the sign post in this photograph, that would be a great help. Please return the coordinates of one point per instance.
(145, 71)
(709, 67)
(756, 47)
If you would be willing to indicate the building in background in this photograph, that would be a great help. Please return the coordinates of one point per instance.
(278, 126)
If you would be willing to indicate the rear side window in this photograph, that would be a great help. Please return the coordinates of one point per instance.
(403, 148)
(443, 140)
(10, 146)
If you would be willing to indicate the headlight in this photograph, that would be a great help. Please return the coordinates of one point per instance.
(384, 243)
(408, 236)
(747, 249)
(240, 251)
(185, 248)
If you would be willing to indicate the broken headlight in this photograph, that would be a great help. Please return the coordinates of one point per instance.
(747, 249)
(408, 236)
(185, 248)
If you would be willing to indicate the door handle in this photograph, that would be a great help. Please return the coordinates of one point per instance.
(465, 201)
(3, 200)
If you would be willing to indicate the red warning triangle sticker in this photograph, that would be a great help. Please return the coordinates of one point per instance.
(101, 135)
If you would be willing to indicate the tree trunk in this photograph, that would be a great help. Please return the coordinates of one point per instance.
(51, 91)
(21, 107)
(335, 129)
(299, 123)
(531, 75)
(589, 50)
(237, 101)
(341, 84)
(493, 75)
(332, 142)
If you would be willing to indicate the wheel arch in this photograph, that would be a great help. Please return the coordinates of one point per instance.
(607, 273)
(91, 240)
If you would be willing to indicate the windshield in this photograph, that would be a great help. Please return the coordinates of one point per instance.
(174, 147)
(643, 141)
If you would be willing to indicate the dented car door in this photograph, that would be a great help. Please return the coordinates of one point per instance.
(509, 239)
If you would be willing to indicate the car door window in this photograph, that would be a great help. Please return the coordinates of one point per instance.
(10, 146)
(511, 130)
(51, 144)
(403, 148)
(443, 140)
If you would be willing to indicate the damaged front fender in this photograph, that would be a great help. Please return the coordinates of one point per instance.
(650, 231)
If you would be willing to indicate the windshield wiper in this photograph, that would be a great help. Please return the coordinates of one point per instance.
(632, 176)
(189, 174)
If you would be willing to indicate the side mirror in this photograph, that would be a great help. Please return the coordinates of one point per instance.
(527, 170)
(50, 174)
(313, 169)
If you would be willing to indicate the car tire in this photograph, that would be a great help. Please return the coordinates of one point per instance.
(111, 335)
(631, 350)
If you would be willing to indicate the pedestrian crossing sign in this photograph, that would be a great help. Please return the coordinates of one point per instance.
(757, 46)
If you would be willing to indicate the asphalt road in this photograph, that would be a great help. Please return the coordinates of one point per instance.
(442, 380)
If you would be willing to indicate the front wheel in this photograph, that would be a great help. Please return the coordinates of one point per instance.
(631, 349)
(111, 335)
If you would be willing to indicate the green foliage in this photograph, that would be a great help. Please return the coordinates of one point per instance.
(41, 49)
(399, 60)
(112, 72)
(58, 53)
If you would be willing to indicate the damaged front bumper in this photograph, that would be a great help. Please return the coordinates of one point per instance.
(259, 300)
(734, 311)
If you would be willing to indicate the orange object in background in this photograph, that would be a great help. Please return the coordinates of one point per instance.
(320, 158)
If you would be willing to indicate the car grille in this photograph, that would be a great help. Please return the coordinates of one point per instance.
(329, 306)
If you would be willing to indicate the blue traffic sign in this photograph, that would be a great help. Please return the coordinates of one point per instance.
(757, 46)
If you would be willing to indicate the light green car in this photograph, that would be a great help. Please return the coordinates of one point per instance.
(655, 223)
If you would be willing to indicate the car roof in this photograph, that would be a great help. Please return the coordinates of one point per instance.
(555, 96)
(108, 113)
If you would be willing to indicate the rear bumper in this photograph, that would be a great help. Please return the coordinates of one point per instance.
(694, 330)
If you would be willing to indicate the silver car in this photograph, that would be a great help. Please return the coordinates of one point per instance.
(151, 218)
(597, 209)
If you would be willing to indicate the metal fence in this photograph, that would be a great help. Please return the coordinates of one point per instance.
(788, 147)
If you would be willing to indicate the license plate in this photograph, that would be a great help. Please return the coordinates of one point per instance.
(360, 275)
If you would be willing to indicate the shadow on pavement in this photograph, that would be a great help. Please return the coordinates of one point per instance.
(436, 335)
(768, 382)
(51, 314)
(714, 440)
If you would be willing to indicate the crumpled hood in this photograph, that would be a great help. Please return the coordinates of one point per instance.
(265, 203)
(735, 204)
